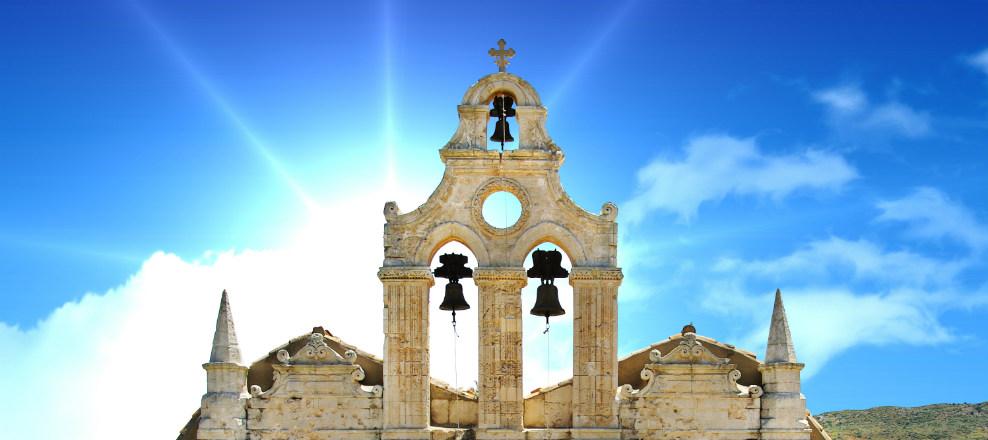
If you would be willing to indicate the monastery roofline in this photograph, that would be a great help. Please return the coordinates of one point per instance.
(700, 338)
(623, 363)
(328, 335)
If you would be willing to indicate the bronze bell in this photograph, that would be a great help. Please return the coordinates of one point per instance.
(502, 132)
(546, 265)
(453, 268)
(547, 302)
(454, 300)
(502, 110)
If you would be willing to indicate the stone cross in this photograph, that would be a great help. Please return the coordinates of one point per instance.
(501, 56)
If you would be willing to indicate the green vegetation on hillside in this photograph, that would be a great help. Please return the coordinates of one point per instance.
(951, 421)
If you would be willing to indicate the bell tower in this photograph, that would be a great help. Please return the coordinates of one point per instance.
(454, 213)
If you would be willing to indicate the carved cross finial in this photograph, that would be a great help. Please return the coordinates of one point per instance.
(501, 55)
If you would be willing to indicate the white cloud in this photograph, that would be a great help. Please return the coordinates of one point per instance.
(979, 61)
(898, 118)
(932, 215)
(841, 294)
(716, 166)
(828, 320)
(851, 114)
(845, 99)
(129, 360)
(861, 259)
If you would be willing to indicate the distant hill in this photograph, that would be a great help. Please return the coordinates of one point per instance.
(948, 421)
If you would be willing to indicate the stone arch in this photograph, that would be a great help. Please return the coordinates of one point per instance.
(540, 372)
(445, 232)
(480, 93)
(554, 233)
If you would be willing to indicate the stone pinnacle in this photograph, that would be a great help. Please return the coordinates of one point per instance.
(225, 347)
(780, 348)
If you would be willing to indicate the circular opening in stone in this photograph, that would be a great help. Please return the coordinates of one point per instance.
(502, 209)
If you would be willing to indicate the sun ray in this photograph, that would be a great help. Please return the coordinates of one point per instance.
(590, 52)
(209, 89)
(388, 85)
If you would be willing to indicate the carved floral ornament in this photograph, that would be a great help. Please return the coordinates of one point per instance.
(405, 274)
(689, 351)
(596, 274)
(317, 352)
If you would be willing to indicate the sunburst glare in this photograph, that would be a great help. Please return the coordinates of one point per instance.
(232, 115)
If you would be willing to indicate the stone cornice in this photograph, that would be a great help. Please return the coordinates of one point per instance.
(596, 274)
(411, 273)
(488, 274)
(457, 159)
(797, 366)
(223, 366)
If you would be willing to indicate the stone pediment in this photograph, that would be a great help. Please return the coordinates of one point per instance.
(317, 352)
(315, 394)
(316, 369)
(689, 369)
(689, 351)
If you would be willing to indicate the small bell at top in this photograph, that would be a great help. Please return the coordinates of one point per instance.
(502, 110)
(502, 132)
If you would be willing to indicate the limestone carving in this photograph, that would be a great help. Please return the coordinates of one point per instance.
(316, 352)
(689, 351)
(391, 210)
(472, 131)
(609, 211)
(490, 187)
(481, 92)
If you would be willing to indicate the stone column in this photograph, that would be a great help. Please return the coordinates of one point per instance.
(472, 131)
(224, 412)
(406, 351)
(595, 365)
(531, 128)
(783, 410)
(501, 395)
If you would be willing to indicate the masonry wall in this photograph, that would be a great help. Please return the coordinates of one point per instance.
(450, 408)
(556, 401)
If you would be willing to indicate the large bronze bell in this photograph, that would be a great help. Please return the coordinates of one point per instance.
(502, 110)
(547, 302)
(453, 267)
(454, 300)
(546, 265)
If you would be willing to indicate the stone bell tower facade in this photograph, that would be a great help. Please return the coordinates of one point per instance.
(683, 387)
(454, 213)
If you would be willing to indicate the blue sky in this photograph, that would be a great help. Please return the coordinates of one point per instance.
(836, 151)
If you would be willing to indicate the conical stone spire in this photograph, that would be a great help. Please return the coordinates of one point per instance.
(780, 348)
(225, 347)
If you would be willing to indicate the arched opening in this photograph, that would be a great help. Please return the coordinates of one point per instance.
(453, 356)
(547, 356)
(502, 108)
